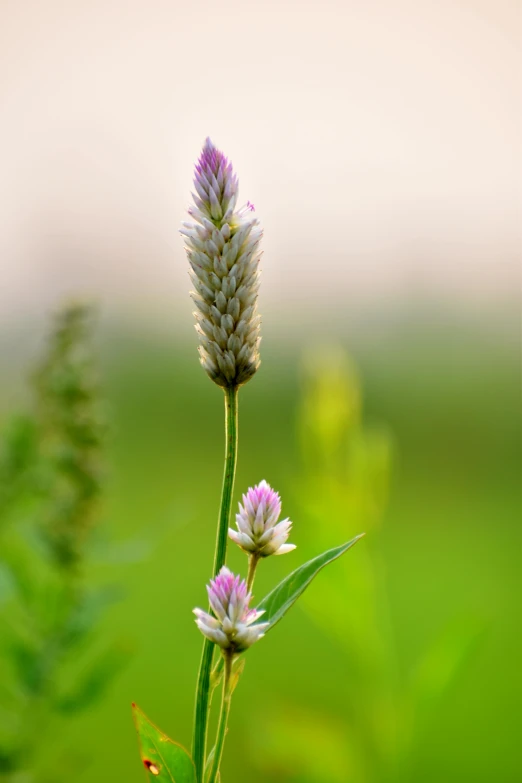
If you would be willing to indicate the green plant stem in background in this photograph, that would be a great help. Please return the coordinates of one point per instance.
(203, 687)
(223, 719)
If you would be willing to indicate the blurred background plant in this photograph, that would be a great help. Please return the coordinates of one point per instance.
(53, 664)
(343, 486)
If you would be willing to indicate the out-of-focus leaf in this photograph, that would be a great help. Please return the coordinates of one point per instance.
(25, 657)
(6, 584)
(331, 405)
(89, 611)
(7, 762)
(126, 552)
(441, 663)
(296, 743)
(24, 567)
(93, 686)
(278, 602)
(165, 760)
(17, 457)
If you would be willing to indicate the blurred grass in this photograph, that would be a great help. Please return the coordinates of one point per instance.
(449, 549)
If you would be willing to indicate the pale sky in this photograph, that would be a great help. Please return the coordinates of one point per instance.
(378, 139)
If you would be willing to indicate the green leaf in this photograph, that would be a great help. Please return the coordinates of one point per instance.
(165, 760)
(217, 672)
(282, 597)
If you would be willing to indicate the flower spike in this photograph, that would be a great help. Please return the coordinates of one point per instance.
(222, 246)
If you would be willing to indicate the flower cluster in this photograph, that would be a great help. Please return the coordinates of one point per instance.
(233, 627)
(222, 248)
(258, 531)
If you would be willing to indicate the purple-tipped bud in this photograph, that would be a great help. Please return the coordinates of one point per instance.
(258, 530)
(233, 627)
(222, 245)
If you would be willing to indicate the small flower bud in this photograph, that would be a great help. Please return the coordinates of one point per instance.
(232, 627)
(222, 246)
(258, 532)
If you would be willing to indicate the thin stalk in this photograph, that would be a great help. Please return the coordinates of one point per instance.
(223, 720)
(203, 688)
(253, 560)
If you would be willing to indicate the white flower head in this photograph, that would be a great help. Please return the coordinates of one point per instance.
(233, 627)
(258, 530)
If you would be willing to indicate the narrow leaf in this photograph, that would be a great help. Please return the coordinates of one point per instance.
(237, 671)
(165, 760)
(209, 762)
(282, 597)
(217, 672)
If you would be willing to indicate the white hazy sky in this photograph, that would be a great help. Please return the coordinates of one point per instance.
(378, 139)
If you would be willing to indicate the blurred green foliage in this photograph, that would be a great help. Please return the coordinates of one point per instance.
(399, 663)
(50, 486)
(345, 481)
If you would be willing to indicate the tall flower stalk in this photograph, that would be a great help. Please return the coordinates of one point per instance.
(222, 244)
(222, 247)
(203, 686)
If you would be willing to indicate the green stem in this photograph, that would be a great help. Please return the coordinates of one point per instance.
(253, 560)
(203, 687)
(223, 720)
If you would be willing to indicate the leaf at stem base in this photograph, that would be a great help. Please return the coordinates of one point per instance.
(165, 760)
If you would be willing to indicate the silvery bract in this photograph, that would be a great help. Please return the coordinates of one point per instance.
(258, 531)
(233, 626)
(222, 247)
